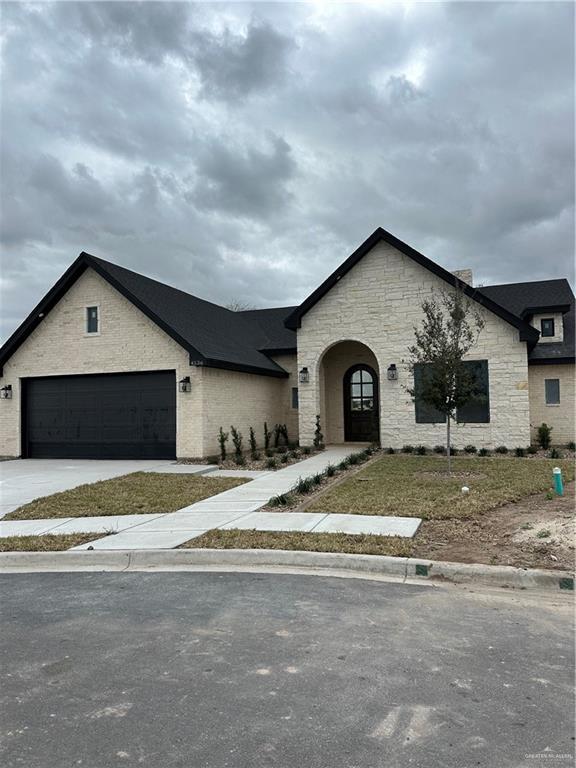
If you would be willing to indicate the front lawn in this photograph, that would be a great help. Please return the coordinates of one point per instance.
(303, 542)
(48, 542)
(417, 486)
(135, 494)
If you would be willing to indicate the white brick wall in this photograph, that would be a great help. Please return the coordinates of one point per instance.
(128, 341)
(559, 417)
(378, 303)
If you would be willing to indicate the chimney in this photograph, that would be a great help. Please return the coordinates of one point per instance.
(464, 275)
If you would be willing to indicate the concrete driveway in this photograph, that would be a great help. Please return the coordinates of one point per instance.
(230, 670)
(24, 480)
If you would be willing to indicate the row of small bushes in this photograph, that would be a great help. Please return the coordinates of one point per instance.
(531, 450)
(308, 484)
(279, 434)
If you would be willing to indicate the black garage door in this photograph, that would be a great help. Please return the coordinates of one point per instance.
(116, 416)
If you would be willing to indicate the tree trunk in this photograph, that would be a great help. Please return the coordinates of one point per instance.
(448, 454)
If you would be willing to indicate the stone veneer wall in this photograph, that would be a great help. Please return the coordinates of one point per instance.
(559, 417)
(378, 303)
(128, 341)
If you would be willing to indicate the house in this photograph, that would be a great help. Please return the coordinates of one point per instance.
(112, 364)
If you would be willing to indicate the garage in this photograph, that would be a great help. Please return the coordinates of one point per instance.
(111, 416)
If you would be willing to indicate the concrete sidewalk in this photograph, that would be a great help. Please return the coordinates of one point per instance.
(237, 508)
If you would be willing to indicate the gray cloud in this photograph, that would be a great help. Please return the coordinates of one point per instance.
(242, 151)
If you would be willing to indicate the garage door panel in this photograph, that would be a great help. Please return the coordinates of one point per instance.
(108, 416)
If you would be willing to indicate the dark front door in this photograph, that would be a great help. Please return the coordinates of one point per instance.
(361, 404)
(113, 416)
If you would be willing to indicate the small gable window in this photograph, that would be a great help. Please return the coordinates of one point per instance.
(552, 391)
(547, 326)
(92, 319)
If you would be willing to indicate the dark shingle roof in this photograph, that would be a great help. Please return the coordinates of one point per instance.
(523, 299)
(271, 324)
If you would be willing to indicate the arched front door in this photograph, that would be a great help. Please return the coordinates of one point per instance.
(361, 410)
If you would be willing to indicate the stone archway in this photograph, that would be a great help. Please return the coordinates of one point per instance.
(345, 407)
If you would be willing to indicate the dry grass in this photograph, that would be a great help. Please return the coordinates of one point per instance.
(306, 542)
(412, 486)
(48, 542)
(137, 493)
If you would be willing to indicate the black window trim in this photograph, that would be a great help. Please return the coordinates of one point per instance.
(553, 326)
(555, 402)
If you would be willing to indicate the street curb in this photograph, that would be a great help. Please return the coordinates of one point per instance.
(402, 567)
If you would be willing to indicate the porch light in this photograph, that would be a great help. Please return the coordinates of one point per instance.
(304, 376)
(184, 385)
(392, 372)
(6, 392)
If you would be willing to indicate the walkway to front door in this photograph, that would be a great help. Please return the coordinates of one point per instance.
(361, 404)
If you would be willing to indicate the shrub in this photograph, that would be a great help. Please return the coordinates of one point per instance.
(284, 458)
(295, 454)
(544, 436)
(269, 453)
(353, 459)
(421, 450)
(439, 449)
(571, 446)
(222, 440)
(318, 436)
(453, 450)
(317, 478)
(239, 460)
(256, 456)
(390, 451)
(520, 452)
(293, 445)
(483, 452)
(532, 450)
(253, 446)
(214, 459)
(306, 450)
(271, 463)
(407, 449)
(549, 495)
(330, 470)
(276, 435)
(304, 485)
(281, 500)
(543, 534)
(281, 449)
(237, 440)
(555, 454)
(470, 449)
(501, 449)
(267, 436)
(345, 463)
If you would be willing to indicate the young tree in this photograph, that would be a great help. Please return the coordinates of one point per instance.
(448, 331)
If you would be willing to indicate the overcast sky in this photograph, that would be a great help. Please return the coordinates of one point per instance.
(242, 151)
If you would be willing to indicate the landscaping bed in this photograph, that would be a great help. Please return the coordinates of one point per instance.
(48, 542)
(134, 494)
(267, 461)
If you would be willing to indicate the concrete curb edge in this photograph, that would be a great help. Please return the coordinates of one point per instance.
(400, 567)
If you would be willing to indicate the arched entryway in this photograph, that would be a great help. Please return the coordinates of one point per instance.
(361, 409)
(349, 413)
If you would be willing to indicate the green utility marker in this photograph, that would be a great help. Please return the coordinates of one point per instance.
(558, 484)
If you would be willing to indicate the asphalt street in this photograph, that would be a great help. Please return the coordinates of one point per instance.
(250, 670)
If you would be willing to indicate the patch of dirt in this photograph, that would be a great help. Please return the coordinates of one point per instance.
(507, 535)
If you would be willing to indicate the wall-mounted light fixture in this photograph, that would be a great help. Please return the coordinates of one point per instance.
(304, 376)
(392, 372)
(6, 392)
(184, 385)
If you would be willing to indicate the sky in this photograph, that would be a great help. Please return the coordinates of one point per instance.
(242, 151)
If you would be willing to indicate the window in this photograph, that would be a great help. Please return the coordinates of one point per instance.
(552, 391)
(361, 391)
(476, 410)
(91, 319)
(547, 327)
(294, 397)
